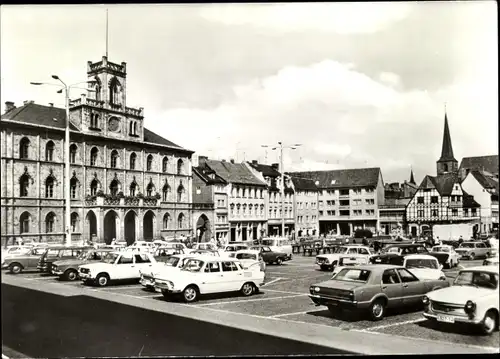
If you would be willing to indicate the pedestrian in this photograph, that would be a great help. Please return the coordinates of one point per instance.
(365, 241)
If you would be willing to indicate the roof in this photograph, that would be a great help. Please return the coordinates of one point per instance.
(469, 201)
(491, 268)
(443, 183)
(152, 137)
(447, 149)
(303, 184)
(356, 177)
(395, 202)
(205, 174)
(487, 181)
(237, 173)
(486, 163)
(266, 170)
(419, 256)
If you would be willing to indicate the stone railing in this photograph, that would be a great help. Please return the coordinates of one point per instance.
(111, 201)
(95, 66)
(151, 202)
(133, 111)
(131, 201)
(90, 202)
(115, 67)
(115, 107)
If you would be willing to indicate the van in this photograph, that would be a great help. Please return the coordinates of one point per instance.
(280, 245)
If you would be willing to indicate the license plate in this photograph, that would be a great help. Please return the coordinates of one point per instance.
(378, 260)
(445, 319)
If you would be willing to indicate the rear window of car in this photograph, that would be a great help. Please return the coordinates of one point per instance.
(246, 256)
(269, 242)
(353, 275)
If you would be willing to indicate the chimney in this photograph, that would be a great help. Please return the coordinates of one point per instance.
(202, 160)
(51, 104)
(9, 106)
(232, 160)
(255, 162)
(276, 166)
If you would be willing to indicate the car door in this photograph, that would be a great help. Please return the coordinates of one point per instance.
(124, 267)
(413, 288)
(232, 277)
(211, 278)
(392, 287)
(34, 257)
(481, 249)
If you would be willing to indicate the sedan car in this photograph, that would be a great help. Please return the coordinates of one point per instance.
(331, 260)
(424, 266)
(394, 254)
(472, 299)
(372, 288)
(446, 255)
(471, 250)
(269, 256)
(172, 264)
(68, 268)
(248, 258)
(18, 263)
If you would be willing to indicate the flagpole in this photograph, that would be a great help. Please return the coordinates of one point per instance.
(106, 33)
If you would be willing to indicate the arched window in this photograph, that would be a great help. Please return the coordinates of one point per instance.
(166, 190)
(113, 187)
(235, 192)
(149, 163)
(133, 188)
(49, 151)
(164, 165)
(180, 166)
(135, 128)
(93, 187)
(150, 189)
(98, 92)
(180, 221)
(49, 187)
(24, 222)
(93, 156)
(72, 153)
(24, 183)
(49, 222)
(73, 187)
(94, 120)
(24, 148)
(133, 157)
(445, 167)
(74, 222)
(166, 219)
(114, 159)
(180, 192)
(114, 87)
(131, 128)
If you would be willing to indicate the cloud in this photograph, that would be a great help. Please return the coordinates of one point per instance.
(340, 18)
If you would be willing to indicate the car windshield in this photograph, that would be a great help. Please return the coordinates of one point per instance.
(246, 256)
(110, 258)
(193, 265)
(269, 242)
(340, 250)
(82, 256)
(353, 275)
(172, 261)
(441, 249)
(422, 263)
(467, 245)
(477, 279)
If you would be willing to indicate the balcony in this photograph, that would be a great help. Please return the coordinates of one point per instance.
(203, 206)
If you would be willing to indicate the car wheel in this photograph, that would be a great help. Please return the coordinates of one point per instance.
(190, 294)
(472, 256)
(15, 268)
(71, 274)
(377, 309)
(279, 261)
(489, 323)
(247, 289)
(102, 280)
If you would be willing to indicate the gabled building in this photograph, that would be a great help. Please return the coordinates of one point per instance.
(246, 199)
(348, 199)
(487, 164)
(276, 210)
(305, 206)
(126, 182)
(484, 187)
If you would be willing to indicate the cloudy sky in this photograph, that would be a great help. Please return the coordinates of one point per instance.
(356, 84)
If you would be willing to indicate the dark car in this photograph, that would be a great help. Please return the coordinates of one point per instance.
(16, 264)
(68, 268)
(269, 255)
(58, 253)
(395, 253)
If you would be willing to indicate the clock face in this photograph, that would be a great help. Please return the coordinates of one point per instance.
(113, 124)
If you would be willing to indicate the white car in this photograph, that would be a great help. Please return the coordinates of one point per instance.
(232, 248)
(471, 250)
(116, 266)
(172, 264)
(15, 250)
(142, 246)
(424, 266)
(473, 299)
(207, 246)
(446, 254)
(249, 258)
(492, 261)
(280, 245)
(210, 275)
(330, 260)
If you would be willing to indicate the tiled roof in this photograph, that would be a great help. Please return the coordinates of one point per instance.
(486, 163)
(469, 201)
(266, 170)
(237, 173)
(205, 174)
(152, 137)
(395, 202)
(303, 184)
(443, 183)
(488, 182)
(357, 177)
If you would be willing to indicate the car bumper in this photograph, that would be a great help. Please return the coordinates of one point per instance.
(147, 283)
(166, 288)
(5, 265)
(337, 302)
(456, 319)
(85, 276)
(44, 268)
(57, 272)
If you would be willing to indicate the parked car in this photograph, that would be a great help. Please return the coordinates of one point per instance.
(205, 252)
(471, 250)
(269, 256)
(116, 266)
(172, 264)
(491, 261)
(142, 246)
(472, 299)
(28, 261)
(68, 268)
(446, 255)
(395, 253)
(248, 258)
(232, 248)
(53, 254)
(162, 253)
(424, 266)
(281, 245)
(374, 288)
(330, 260)
(355, 258)
(15, 250)
(210, 275)
(205, 246)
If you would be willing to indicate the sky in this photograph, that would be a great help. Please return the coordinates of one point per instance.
(356, 84)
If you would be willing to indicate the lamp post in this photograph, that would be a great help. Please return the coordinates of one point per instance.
(281, 147)
(67, 184)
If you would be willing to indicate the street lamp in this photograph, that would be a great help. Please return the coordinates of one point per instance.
(281, 147)
(67, 194)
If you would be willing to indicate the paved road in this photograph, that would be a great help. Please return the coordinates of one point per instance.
(40, 324)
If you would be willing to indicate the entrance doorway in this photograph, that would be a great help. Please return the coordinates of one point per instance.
(110, 226)
(148, 225)
(344, 229)
(130, 220)
(92, 224)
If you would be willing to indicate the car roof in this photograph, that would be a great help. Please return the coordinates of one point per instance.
(70, 247)
(208, 258)
(489, 268)
(251, 251)
(406, 245)
(375, 267)
(420, 256)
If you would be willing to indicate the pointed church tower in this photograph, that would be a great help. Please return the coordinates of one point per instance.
(447, 163)
(412, 179)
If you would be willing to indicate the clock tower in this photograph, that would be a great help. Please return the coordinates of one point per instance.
(103, 111)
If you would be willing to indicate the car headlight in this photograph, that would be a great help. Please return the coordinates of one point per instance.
(425, 300)
(316, 289)
(442, 277)
(470, 307)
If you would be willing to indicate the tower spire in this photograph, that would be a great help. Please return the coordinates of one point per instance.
(412, 179)
(447, 149)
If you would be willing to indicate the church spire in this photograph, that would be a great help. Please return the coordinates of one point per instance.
(447, 163)
(412, 179)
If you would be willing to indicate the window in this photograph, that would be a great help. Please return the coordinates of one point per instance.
(180, 221)
(113, 187)
(229, 267)
(406, 276)
(149, 163)
(434, 213)
(125, 260)
(180, 192)
(420, 213)
(24, 183)
(466, 212)
(94, 121)
(72, 187)
(212, 267)
(164, 164)
(49, 187)
(114, 159)
(142, 258)
(363, 251)
(473, 212)
(49, 151)
(133, 158)
(454, 212)
(72, 153)
(445, 167)
(390, 277)
(74, 222)
(24, 222)
(24, 147)
(166, 219)
(93, 156)
(370, 201)
(93, 187)
(114, 89)
(49, 222)
(420, 200)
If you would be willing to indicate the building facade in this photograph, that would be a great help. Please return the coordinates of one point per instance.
(487, 164)
(306, 207)
(348, 199)
(127, 183)
(392, 215)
